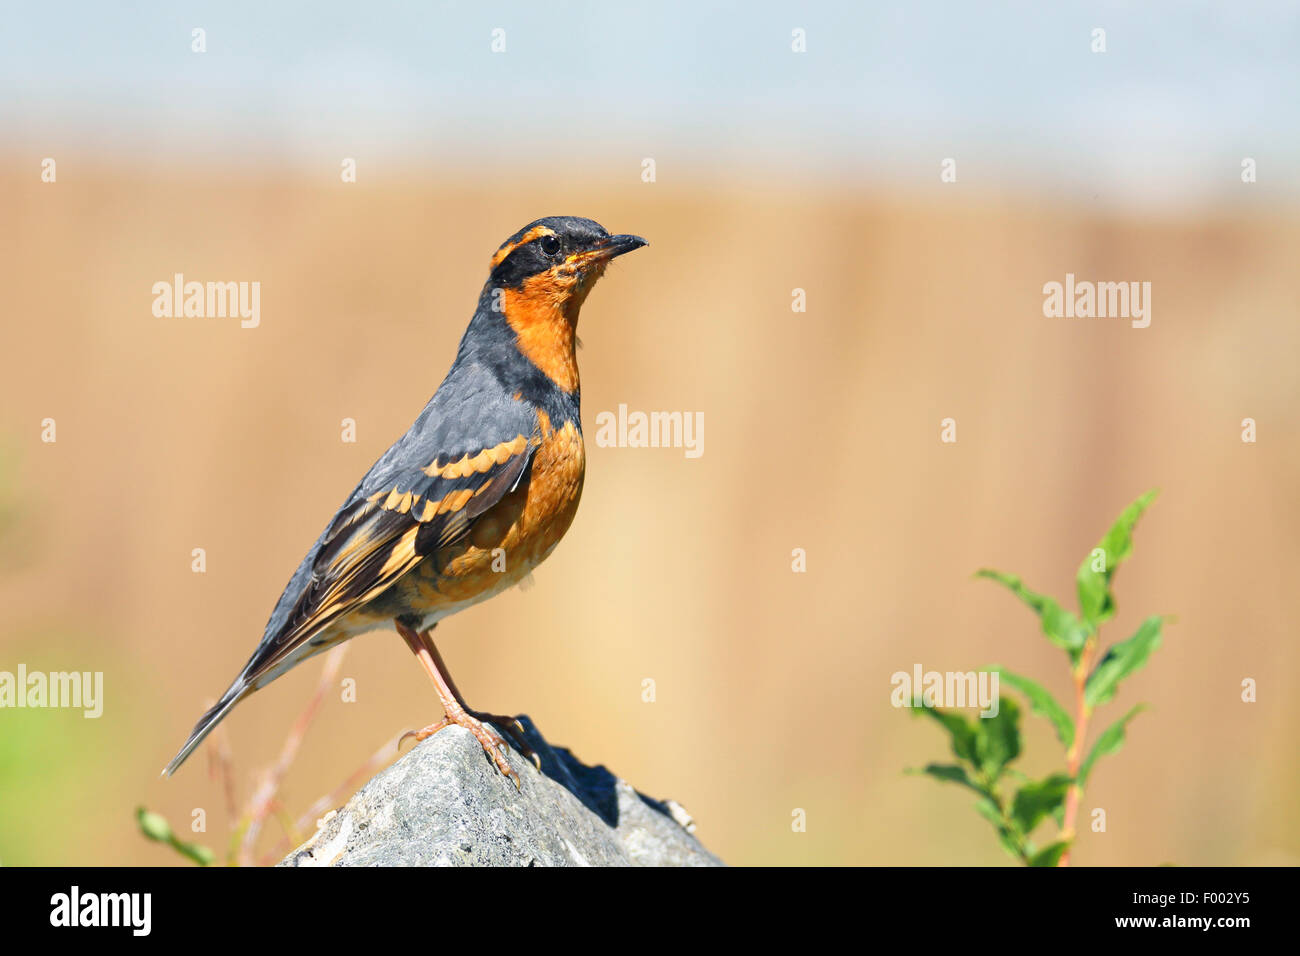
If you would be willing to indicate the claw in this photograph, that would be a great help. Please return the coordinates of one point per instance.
(515, 729)
(493, 744)
(423, 733)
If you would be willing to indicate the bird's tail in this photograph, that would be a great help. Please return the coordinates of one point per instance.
(237, 692)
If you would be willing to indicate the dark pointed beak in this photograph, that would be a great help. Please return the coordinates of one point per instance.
(617, 246)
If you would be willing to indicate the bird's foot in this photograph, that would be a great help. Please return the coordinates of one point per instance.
(477, 723)
(514, 730)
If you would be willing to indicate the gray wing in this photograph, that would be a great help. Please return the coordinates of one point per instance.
(469, 448)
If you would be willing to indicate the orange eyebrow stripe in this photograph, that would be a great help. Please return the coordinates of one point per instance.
(534, 233)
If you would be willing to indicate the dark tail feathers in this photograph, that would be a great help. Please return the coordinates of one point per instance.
(208, 721)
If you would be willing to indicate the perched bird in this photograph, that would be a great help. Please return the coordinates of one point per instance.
(474, 496)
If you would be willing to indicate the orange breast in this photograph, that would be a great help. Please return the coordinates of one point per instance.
(512, 537)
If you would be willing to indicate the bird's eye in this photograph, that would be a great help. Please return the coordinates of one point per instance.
(550, 245)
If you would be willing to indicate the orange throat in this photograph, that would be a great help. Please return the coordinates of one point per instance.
(543, 312)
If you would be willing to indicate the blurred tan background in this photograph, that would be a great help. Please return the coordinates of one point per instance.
(822, 429)
(821, 432)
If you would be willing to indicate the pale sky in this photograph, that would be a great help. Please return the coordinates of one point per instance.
(1012, 90)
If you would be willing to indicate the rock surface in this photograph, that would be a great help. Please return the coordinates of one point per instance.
(445, 804)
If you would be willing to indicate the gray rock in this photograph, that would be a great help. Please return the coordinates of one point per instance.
(445, 804)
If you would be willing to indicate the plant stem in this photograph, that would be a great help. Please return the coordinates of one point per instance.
(261, 803)
(1074, 755)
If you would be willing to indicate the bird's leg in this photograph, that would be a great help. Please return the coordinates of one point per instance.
(513, 728)
(453, 705)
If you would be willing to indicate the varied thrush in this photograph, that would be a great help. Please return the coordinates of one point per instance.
(476, 494)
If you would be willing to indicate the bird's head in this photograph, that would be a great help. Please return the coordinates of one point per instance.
(540, 277)
(558, 259)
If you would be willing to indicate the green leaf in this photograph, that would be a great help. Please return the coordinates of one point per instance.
(1061, 627)
(990, 811)
(1120, 661)
(1041, 702)
(959, 730)
(949, 772)
(1036, 800)
(997, 739)
(1051, 854)
(993, 814)
(1111, 739)
(153, 825)
(1096, 603)
(196, 852)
